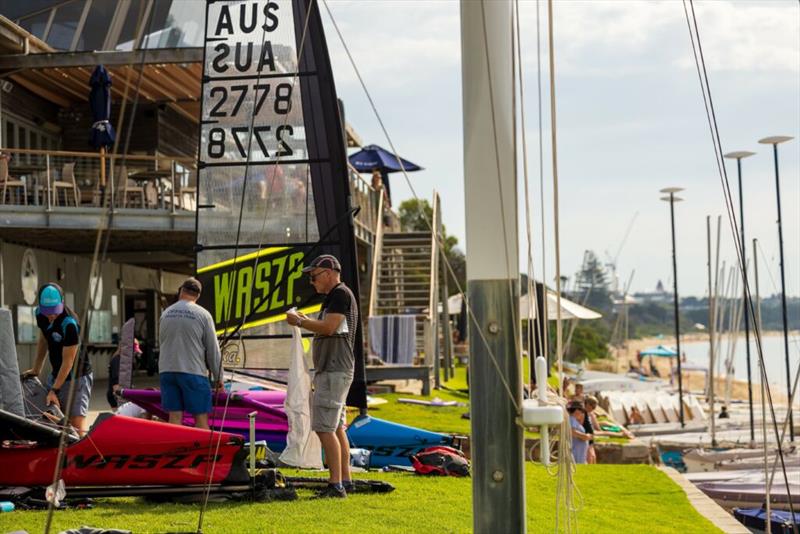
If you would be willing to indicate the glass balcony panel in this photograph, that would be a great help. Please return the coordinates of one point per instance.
(65, 24)
(98, 21)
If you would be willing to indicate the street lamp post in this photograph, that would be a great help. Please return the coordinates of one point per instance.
(738, 156)
(672, 199)
(775, 141)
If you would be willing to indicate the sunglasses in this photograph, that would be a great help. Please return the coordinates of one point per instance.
(313, 276)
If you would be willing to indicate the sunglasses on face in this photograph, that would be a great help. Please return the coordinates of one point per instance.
(314, 276)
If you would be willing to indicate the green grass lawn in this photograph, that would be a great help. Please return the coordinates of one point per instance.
(615, 499)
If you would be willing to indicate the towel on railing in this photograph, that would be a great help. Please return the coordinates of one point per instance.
(393, 338)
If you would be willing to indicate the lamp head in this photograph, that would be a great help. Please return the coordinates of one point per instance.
(672, 198)
(739, 154)
(775, 139)
(670, 190)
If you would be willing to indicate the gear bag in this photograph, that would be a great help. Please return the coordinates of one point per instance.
(441, 460)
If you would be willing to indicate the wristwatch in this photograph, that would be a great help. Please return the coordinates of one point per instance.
(55, 390)
(300, 322)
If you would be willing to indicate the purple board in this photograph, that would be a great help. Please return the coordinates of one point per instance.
(271, 423)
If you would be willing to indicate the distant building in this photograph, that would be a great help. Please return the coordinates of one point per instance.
(659, 295)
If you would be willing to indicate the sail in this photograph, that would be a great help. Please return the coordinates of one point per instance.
(272, 183)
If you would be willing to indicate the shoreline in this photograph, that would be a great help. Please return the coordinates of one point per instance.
(620, 360)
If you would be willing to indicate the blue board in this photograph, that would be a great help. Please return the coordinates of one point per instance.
(781, 522)
(391, 443)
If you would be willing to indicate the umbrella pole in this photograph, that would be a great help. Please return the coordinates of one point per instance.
(102, 166)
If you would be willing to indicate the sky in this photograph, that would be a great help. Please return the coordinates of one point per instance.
(630, 121)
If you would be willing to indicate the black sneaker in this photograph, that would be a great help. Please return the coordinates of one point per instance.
(349, 486)
(332, 491)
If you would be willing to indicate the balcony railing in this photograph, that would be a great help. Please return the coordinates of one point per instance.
(53, 179)
(67, 178)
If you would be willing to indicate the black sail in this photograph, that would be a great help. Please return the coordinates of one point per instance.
(273, 185)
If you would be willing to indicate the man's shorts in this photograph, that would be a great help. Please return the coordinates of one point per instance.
(83, 393)
(328, 404)
(185, 392)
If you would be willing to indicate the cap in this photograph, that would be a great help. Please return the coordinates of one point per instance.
(326, 261)
(192, 285)
(51, 302)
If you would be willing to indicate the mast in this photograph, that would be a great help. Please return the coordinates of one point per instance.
(711, 333)
(492, 266)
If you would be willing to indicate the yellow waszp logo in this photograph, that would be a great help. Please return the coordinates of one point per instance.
(258, 288)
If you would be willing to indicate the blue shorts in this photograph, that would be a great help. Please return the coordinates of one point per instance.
(184, 392)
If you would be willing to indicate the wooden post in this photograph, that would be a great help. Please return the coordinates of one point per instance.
(498, 482)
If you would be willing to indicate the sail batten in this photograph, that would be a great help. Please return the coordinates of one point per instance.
(272, 177)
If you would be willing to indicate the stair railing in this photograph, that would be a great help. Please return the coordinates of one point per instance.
(432, 348)
(376, 256)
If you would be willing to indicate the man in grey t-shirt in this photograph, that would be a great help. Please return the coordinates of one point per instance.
(189, 353)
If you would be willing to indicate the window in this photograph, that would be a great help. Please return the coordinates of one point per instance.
(10, 138)
(26, 325)
(65, 23)
(98, 21)
(36, 24)
(99, 326)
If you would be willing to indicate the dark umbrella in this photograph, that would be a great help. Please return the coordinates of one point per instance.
(102, 132)
(373, 157)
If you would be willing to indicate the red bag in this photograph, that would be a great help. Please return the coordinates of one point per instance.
(441, 460)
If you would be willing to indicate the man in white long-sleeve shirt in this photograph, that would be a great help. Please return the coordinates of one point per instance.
(189, 355)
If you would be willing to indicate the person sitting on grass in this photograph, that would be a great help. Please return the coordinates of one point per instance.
(591, 413)
(580, 439)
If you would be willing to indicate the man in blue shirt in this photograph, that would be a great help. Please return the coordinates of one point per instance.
(59, 338)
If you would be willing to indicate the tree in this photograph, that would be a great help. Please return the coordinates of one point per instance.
(416, 216)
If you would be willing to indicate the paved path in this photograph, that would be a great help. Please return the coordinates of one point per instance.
(706, 506)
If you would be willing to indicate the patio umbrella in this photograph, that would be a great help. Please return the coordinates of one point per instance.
(660, 350)
(373, 157)
(102, 133)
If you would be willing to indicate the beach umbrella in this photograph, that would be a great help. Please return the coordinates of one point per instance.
(660, 350)
(374, 157)
(102, 133)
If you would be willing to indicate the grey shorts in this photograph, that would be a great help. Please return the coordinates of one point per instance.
(328, 404)
(80, 402)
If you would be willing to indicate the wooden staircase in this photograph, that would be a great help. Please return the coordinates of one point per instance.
(403, 273)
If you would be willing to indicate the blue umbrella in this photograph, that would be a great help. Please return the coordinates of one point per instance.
(102, 133)
(660, 350)
(373, 157)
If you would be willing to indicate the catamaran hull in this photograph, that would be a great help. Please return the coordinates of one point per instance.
(124, 451)
(230, 413)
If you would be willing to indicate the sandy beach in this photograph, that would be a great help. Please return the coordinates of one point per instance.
(622, 359)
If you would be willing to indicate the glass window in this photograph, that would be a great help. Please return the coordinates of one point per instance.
(27, 330)
(10, 140)
(34, 141)
(99, 326)
(98, 21)
(36, 24)
(128, 32)
(65, 24)
(22, 138)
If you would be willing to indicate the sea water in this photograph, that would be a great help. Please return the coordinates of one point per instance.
(774, 357)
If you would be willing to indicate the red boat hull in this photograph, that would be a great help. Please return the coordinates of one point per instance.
(121, 451)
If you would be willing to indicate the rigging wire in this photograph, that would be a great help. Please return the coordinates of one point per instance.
(709, 103)
(470, 312)
(98, 257)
